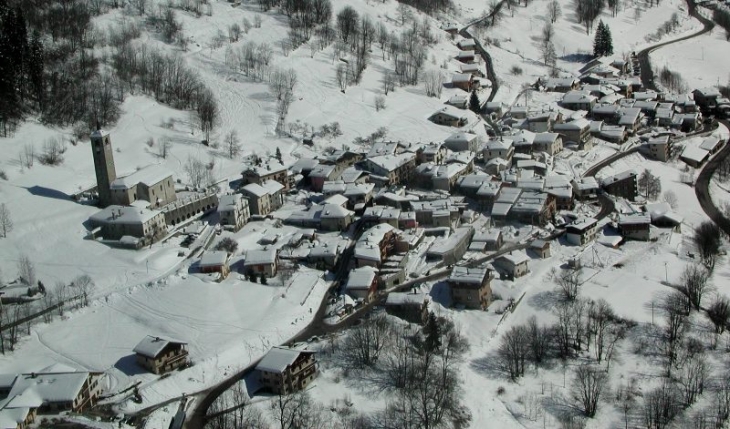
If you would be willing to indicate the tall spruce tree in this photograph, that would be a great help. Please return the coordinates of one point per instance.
(474, 104)
(607, 41)
(599, 42)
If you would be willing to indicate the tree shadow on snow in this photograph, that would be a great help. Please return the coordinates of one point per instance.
(545, 300)
(489, 366)
(128, 365)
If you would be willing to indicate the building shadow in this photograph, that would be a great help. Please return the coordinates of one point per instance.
(42, 191)
(128, 365)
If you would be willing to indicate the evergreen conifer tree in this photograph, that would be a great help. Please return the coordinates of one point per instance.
(599, 42)
(607, 41)
(474, 104)
(432, 330)
(278, 155)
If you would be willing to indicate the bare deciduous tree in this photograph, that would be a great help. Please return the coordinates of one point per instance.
(6, 221)
(707, 238)
(195, 169)
(163, 147)
(233, 144)
(84, 286)
(296, 411)
(695, 284)
(719, 314)
(588, 386)
(553, 11)
(661, 406)
(52, 151)
(379, 103)
(671, 198)
(207, 111)
(514, 350)
(388, 82)
(363, 346)
(569, 282)
(26, 271)
(693, 371)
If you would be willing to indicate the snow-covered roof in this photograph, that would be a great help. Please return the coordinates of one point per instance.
(152, 346)
(490, 236)
(618, 177)
(266, 168)
(382, 148)
(578, 124)
(586, 183)
(466, 43)
(545, 138)
(465, 54)
(457, 237)
(461, 274)
(272, 186)
(634, 219)
(148, 176)
(368, 246)
(336, 199)
(694, 153)
(34, 390)
(577, 96)
(260, 257)
(469, 68)
(361, 278)
(710, 143)
(215, 258)
(303, 164)
(335, 211)
(460, 138)
(230, 202)
(255, 189)
(582, 225)
(501, 209)
(402, 298)
(475, 180)
(99, 133)
(322, 170)
(392, 162)
(498, 144)
(466, 157)
(127, 215)
(539, 244)
(515, 258)
(461, 77)
(279, 358)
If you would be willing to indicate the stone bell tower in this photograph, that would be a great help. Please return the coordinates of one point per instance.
(101, 147)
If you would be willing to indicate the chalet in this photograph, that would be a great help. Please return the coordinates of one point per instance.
(52, 390)
(578, 100)
(466, 44)
(375, 245)
(541, 122)
(635, 226)
(498, 148)
(453, 248)
(358, 195)
(608, 113)
(472, 69)
(706, 98)
(550, 143)
(659, 148)
(694, 156)
(496, 166)
(270, 170)
(514, 264)
(362, 283)
(432, 152)
(276, 193)
(663, 216)
(353, 175)
(466, 56)
(522, 141)
(214, 262)
(153, 184)
(137, 221)
(450, 116)
(392, 169)
(613, 133)
(541, 248)
(518, 112)
(581, 231)
(623, 185)
(335, 218)
(233, 211)
(494, 107)
(261, 262)
(283, 371)
(463, 81)
(560, 84)
(664, 117)
(471, 287)
(586, 188)
(460, 101)
(577, 131)
(409, 306)
(159, 355)
(461, 142)
(631, 119)
(563, 195)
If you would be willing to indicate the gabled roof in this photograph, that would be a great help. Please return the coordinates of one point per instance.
(461, 274)
(215, 258)
(259, 257)
(279, 358)
(361, 278)
(148, 176)
(515, 258)
(152, 346)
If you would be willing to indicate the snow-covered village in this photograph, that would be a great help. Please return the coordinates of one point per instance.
(364, 214)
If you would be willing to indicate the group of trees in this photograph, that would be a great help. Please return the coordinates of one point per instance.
(722, 18)
(603, 42)
(416, 369)
(547, 47)
(672, 81)
(281, 85)
(588, 11)
(649, 185)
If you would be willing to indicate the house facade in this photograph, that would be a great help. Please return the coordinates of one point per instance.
(270, 170)
(159, 355)
(623, 185)
(233, 211)
(261, 262)
(471, 287)
(283, 371)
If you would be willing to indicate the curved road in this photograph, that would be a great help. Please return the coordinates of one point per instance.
(647, 75)
(702, 187)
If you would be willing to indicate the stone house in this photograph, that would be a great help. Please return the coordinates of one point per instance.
(261, 262)
(215, 261)
(623, 185)
(362, 283)
(153, 184)
(269, 170)
(233, 211)
(470, 287)
(635, 226)
(581, 231)
(115, 222)
(514, 264)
